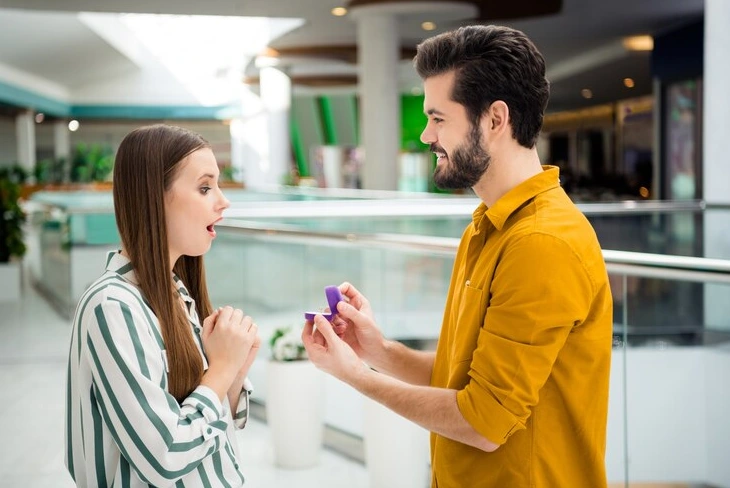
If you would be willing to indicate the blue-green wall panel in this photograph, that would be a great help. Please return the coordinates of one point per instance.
(23, 98)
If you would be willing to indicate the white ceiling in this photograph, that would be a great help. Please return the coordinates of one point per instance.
(44, 42)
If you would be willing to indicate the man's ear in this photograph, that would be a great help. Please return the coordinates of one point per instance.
(498, 117)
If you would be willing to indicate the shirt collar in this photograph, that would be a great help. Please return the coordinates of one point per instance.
(516, 197)
(121, 265)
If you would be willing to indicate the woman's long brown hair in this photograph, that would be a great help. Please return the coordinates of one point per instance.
(146, 165)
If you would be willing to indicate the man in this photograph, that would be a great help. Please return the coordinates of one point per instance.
(516, 394)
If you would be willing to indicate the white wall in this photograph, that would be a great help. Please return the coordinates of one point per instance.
(718, 416)
(667, 428)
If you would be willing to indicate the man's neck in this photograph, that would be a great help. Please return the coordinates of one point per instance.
(505, 172)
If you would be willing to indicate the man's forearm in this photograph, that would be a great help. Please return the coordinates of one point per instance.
(434, 409)
(404, 363)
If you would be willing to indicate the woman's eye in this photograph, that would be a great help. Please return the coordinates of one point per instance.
(204, 190)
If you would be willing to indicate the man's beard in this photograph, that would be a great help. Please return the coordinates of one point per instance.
(465, 165)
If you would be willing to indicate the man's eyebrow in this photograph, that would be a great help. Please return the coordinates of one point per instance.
(433, 111)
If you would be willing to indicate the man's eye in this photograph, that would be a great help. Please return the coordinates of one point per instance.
(438, 120)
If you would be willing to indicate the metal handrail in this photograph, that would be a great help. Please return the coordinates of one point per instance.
(433, 206)
(682, 268)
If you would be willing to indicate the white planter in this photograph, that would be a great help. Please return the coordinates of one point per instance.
(295, 412)
(396, 449)
(11, 283)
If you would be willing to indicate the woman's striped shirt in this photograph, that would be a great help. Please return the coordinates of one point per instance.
(123, 428)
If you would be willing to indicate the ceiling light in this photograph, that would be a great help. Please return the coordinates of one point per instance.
(268, 58)
(73, 125)
(586, 93)
(428, 26)
(266, 62)
(628, 82)
(639, 43)
(339, 11)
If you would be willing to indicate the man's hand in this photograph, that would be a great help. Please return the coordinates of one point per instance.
(329, 352)
(355, 325)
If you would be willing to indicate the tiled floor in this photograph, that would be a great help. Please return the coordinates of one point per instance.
(33, 349)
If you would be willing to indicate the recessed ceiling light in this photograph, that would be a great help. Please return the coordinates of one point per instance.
(339, 11)
(586, 93)
(428, 26)
(639, 43)
(628, 82)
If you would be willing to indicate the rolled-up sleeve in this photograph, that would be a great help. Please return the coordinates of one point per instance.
(162, 440)
(540, 291)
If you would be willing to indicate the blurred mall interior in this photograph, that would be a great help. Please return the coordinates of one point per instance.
(314, 112)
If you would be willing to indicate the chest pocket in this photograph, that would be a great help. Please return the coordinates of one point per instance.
(469, 321)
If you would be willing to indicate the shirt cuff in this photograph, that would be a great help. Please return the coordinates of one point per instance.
(204, 400)
(240, 416)
(487, 416)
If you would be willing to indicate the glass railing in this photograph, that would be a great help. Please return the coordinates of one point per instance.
(667, 399)
(655, 227)
(670, 373)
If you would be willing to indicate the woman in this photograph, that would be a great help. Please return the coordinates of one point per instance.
(151, 392)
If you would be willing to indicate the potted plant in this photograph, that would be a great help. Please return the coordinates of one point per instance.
(12, 246)
(294, 401)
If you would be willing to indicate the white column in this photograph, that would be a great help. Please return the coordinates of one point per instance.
(25, 139)
(716, 105)
(249, 139)
(715, 164)
(260, 140)
(276, 99)
(378, 47)
(716, 181)
(61, 140)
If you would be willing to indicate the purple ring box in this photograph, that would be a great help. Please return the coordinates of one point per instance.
(333, 297)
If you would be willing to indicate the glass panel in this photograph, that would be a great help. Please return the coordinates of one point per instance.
(669, 377)
(677, 395)
(616, 461)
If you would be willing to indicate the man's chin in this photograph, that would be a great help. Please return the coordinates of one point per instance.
(446, 184)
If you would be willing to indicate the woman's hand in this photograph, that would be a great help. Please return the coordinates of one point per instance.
(231, 342)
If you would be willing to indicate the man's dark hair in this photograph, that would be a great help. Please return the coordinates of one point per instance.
(491, 63)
